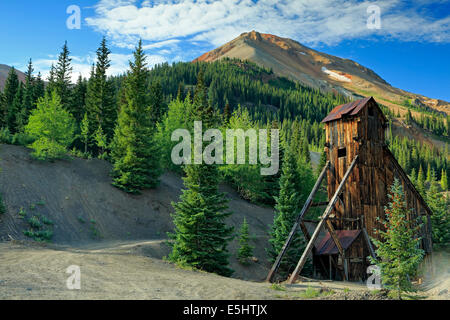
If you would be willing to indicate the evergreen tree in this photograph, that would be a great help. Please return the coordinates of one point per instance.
(101, 142)
(39, 88)
(51, 127)
(429, 174)
(440, 219)
(305, 151)
(227, 113)
(100, 97)
(245, 250)
(9, 94)
(158, 108)
(62, 77)
(413, 176)
(421, 181)
(399, 249)
(17, 115)
(84, 128)
(286, 210)
(51, 81)
(201, 236)
(134, 149)
(28, 101)
(77, 103)
(444, 181)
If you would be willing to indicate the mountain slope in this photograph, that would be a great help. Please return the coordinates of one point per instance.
(289, 58)
(4, 70)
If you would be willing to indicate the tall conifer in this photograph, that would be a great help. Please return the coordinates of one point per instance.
(134, 149)
(201, 235)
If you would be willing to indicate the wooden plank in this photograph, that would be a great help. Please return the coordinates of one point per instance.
(369, 243)
(338, 244)
(334, 236)
(305, 208)
(330, 206)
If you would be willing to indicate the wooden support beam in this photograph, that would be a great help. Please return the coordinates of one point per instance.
(330, 206)
(369, 243)
(305, 231)
(305, 208)
(338, 244)
(334, 236)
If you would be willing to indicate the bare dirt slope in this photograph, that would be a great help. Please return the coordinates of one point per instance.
(78, 197)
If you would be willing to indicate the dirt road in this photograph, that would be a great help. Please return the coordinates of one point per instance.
(127, 271)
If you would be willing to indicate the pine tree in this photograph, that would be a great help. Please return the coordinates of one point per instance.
(28, 101)
(305, 151)
(429, 174)
(421, 181)
(17, 114)
(101, 141)
(51, 81)
(39, 88)
(100, 97)
(201, 237)
(158, 108)
(444, 181)
(399, 249)
(245, 250)
(77, 104)
(413, 176)
(286, 210)
(62, 77)
(226, 113)
(134, 149)
(9, 93)
(85, 137)
(440, 219)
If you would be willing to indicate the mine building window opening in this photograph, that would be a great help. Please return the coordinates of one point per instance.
(342, 152)
(371, 112)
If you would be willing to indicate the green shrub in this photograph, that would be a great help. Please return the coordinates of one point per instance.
(5, 136)
(46, 221)
(22, 139)
(310, 293)
(35, 222)
(22, 213)
(46, 149)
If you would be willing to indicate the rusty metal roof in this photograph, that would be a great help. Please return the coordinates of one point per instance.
(348, 109)
(328, 247)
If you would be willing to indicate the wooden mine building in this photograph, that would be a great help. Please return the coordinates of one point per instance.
(360, 170)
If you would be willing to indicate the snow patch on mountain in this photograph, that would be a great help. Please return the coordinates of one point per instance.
(336, 75)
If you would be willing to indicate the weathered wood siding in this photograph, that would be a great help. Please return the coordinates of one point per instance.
(365, 193)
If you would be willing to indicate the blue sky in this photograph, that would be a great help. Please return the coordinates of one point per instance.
(411, 50)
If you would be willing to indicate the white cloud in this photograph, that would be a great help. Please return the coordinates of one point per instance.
(308, 21)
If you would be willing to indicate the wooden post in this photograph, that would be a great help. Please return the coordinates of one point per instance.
(341, 250)
(369, 243)
(330, 206)
(305, 208)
